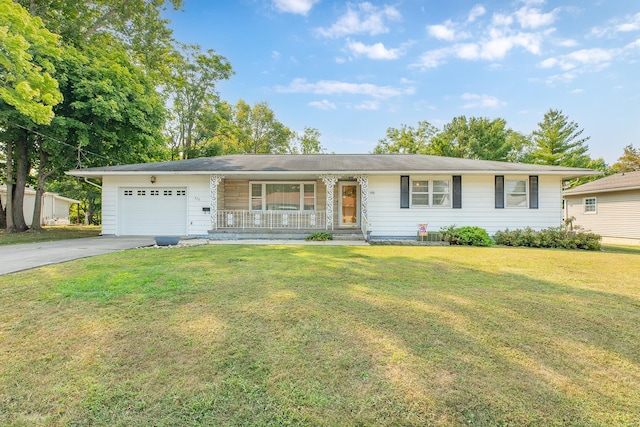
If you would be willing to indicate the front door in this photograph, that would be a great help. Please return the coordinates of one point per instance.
(348, 204)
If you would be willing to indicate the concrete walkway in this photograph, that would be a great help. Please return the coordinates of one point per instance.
(31, 255)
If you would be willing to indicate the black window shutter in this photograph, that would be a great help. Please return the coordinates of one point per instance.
(499, 192)
(404, 191)
(533, 192)
(457, 191)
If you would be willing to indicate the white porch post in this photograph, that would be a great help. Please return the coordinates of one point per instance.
(329, 182)
(215, 180)
(363, 180)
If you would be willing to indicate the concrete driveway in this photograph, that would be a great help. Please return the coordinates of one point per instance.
(31, 255)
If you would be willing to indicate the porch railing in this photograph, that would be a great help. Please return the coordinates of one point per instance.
(272, 219)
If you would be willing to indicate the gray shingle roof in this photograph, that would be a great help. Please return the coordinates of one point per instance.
(617, 182)
(330, 163)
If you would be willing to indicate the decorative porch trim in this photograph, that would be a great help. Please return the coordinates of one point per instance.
(214, 181)
(330, 183)
(363, 180)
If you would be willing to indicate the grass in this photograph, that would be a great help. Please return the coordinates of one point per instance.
(319, 335)
(49, 234)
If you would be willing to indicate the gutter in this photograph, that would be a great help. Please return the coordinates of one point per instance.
(86, 179)
(564, 174)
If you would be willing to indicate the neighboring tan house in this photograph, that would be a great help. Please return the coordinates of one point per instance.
(609, 207)
(55, 208)
(380, 196)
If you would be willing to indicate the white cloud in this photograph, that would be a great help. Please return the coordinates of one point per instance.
(442, 31)
(334, 87)
(300, 7)
(481, 101)
(323, 105)
(500, 19)
(375, 51)
(432, 59)
(628, 24)
(533, 18)
(566, 43)
(446, 32)
(368, 105)
(365, 18)
(491, 49)
(275, 55)
(633, 45)
(596, 58)
(476, 12)
(497, 39)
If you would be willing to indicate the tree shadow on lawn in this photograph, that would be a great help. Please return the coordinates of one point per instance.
(318, 336)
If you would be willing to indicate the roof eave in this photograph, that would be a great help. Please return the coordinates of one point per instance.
(602, 190)
(563, 174)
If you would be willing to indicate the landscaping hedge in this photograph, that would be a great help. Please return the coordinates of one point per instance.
(470, 236)
(554, 237)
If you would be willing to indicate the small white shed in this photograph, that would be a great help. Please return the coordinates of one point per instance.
(55, 208)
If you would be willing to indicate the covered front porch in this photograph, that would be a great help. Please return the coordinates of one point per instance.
(291, 206)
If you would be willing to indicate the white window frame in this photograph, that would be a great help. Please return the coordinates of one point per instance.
(430, 192)
(594, 204)
(264, 194)
(508, 179)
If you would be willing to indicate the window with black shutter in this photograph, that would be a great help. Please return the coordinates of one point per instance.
(499, 192)
(457, 192)
(533, 192)
(404, 192)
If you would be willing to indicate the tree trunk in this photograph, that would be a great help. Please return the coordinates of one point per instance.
(9, 208)
(3, 216)
(90, 210)
(36, 222)
(22, 170)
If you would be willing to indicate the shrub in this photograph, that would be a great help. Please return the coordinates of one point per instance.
(554, 237)
(319, 236)
(471, 236)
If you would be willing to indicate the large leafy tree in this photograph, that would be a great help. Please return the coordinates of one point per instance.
(192, 90)
(28, 91)
(114, 53)
(26, 50)
(474, 138)
(309, 142)
(407, 139)
(629, 161)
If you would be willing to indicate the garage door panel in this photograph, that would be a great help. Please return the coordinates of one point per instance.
(152, 211)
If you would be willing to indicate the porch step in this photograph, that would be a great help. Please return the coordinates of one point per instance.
(297, 234)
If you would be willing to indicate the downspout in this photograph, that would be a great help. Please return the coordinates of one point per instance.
(92, 183)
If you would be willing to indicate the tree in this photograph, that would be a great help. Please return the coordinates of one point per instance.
(114, 52)
(309, 142)
(26, 87)
(255, 130)
(26, 50)
(192, 90)
(558, 141)
(474, 138)
(407, 139)
(629, 161)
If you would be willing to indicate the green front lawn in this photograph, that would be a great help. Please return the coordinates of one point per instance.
(324, 335)
(48, 234)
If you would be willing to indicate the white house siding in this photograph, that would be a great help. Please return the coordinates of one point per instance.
(387, 219)
(617, 215)
(198, 222)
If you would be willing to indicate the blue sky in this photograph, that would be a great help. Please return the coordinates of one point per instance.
(353, 69)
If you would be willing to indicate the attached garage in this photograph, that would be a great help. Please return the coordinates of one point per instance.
(149, 211)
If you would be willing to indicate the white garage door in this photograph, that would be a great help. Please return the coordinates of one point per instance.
(152, 211)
